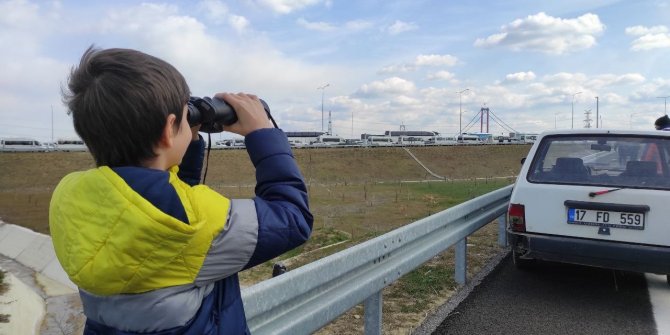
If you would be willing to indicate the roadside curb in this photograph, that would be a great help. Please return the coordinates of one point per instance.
(30, 259)
(433, 320)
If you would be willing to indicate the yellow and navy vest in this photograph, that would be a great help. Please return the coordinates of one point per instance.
(110, 240)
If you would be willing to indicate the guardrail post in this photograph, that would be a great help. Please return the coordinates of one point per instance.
(502, 232)
(373, 314)
(461, 261)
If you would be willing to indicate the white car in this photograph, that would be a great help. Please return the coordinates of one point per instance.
(594, 197)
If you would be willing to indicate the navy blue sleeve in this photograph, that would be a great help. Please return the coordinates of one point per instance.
(282, 208)
(190, 168)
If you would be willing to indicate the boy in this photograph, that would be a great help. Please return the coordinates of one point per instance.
(151, 251)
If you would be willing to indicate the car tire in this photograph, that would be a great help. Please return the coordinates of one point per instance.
(667, 278)
(521, 263)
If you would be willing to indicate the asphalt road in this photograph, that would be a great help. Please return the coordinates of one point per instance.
(554, 298)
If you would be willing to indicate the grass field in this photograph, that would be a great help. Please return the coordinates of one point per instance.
(355, 194)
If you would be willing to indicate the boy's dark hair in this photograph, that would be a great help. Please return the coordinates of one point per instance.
(119, 100)
(662, 122)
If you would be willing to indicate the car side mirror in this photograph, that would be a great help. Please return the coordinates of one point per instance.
(523, 160)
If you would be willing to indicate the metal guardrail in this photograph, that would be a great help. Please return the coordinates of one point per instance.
(306, 299)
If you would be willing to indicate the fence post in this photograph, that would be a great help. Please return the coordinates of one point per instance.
(461, 261)
(502, 233)
(373, 314)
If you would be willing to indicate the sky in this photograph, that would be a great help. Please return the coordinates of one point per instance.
(371, 65)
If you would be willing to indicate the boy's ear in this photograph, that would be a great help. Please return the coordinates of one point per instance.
(167, 137)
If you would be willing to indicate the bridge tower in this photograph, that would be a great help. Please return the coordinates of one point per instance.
(330, 123)
(481, 119)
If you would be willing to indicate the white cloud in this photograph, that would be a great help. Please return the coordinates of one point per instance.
(440, 75)
(649, 38)
(607, 80)
(31, 78)
(397, 68)
(18, 14)
(288, 6)
(404, 100)
(421, 61)
(393, 85)
(239, 23)
(215, 10)
(520, 76)
(564, 78)
(350, 26)
(435, 60)
(544, 33)
(318, 26)
(642, 30)
(211, 62)
(357, 25)
(400, 27)
(216, 63)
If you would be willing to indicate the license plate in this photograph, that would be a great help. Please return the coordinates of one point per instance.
(590, 217)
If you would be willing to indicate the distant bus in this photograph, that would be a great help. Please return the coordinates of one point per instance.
(379, 141)
(410, 140)
(325, 140)
(70, 145)
(469, 139)
(20, 144)
(441, 140)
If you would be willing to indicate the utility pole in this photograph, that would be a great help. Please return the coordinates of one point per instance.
(597, 113)
(665, 98)
(323, 89)
(352, 123)
(460, 114)
(52, 123)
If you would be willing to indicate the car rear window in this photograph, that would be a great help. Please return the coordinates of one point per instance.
(604, 160)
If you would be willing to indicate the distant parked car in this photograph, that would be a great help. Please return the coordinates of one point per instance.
(594, 197)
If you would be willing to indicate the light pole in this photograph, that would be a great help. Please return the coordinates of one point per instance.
(597, 112)
(665, 108)
(323, 89)
(555, 119)
(573, 109)
(460, 113)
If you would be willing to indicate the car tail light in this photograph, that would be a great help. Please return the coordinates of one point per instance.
(516, 216)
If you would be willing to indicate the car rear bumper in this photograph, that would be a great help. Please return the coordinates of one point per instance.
(605, 254)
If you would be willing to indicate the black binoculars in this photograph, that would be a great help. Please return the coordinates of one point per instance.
(212, 113)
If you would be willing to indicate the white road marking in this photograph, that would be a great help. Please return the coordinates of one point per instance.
(659, 294)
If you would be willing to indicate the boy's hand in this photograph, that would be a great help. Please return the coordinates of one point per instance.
(250, 113)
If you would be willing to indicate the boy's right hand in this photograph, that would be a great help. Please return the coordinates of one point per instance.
(250, 113)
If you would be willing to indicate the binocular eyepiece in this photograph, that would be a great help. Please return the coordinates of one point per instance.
(212, 113)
